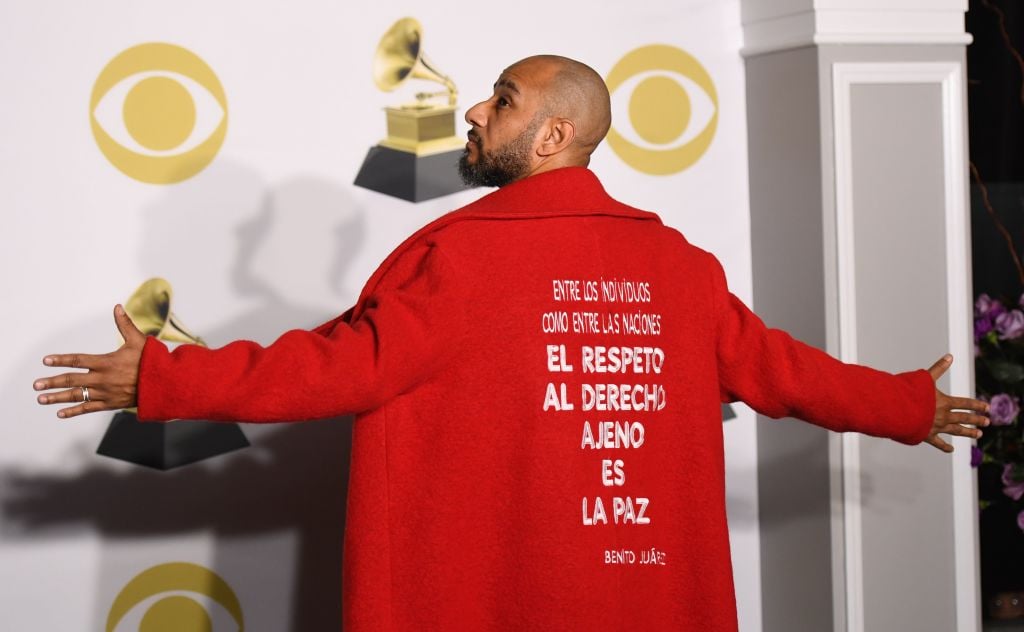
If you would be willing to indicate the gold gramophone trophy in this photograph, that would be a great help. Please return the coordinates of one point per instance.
(418, 159)
(167, 445)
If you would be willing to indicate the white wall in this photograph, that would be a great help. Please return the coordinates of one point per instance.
(271, 235)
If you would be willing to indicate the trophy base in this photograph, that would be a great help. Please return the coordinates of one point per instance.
(165, 446)
(410, 177)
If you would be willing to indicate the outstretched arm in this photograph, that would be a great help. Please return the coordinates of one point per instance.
(782, 377)
(405, 331)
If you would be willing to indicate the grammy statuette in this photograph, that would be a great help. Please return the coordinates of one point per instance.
(164, 446)
(417, 159)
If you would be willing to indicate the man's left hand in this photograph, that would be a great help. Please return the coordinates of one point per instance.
(110, 381)
(954, 415)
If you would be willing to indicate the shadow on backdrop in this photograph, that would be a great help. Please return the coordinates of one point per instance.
(803, 500)
(294, 241)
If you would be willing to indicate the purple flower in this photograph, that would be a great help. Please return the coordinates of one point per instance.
(1020, 520)
(1003, 409)
(982, 325)
(977, 456)
(1010, 325)
(1014, 484)
(988, 306)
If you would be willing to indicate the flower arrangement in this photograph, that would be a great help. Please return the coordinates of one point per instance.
(999, 372)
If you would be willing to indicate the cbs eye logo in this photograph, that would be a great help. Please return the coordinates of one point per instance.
(176, 597)
(671, 105)
(158, 113)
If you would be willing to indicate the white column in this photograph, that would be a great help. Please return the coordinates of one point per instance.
(858, 108)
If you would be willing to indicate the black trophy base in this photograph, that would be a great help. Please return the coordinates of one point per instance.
(165, 446)
(410, 177)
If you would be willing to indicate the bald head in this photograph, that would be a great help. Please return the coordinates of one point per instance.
(546, 112)
(573, 91)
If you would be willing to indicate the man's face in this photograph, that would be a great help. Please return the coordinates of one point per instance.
(504, 129)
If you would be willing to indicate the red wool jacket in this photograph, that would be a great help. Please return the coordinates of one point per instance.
(538, 446)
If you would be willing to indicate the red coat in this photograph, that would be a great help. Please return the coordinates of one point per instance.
(537, 378)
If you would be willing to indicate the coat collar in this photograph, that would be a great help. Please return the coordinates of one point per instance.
(566, 192)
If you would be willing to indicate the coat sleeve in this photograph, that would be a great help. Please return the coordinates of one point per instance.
(782, 377)
(348, 365)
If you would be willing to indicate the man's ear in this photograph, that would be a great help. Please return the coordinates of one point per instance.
(559, 134)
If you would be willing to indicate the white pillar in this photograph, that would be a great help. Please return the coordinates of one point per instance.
(859, 229)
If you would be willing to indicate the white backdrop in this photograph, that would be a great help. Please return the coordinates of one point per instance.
(271, 235)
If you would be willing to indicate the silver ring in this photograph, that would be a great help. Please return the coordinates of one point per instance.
(85, 393)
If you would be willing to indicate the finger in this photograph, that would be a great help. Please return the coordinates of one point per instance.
(70, 396)
(74, 360)
(126, 327)
(939, 443)
(966, 403)
(940, 367)
(64, 380)
(961, 431)
(968, 419)
(81, 409)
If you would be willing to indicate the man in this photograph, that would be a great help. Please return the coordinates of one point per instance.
(537, 378)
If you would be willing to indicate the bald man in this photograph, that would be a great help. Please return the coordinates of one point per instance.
(537, 380)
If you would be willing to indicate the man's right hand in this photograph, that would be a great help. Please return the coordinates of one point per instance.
(110, 381)
(954, 415)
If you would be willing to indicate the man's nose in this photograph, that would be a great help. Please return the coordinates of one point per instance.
(476, 115)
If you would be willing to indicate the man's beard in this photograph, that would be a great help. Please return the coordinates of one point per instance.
(507, 164)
